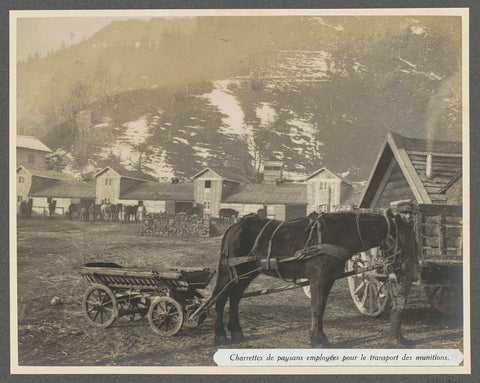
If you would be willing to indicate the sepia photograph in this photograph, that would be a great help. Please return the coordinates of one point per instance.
(224, 190)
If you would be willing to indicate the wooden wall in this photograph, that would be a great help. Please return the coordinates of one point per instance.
(212, 194)
(439, 233)
(108, 191)
(394, 187)
(39, 158)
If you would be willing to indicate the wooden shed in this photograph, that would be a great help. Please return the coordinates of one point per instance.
(161, 197)
(327, 191)
(111, 183)
(29, 180)
(428, 173)
(65, 193)
(211, 186)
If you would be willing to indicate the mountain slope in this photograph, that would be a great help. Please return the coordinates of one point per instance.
(173, 96)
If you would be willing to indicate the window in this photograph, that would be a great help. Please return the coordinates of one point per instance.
(108, 181)
(208, 184)
(206, 205)
(31, 159)
(323, 186)
(19, 198)
(323, 207)
(21, 179)
(106, 200)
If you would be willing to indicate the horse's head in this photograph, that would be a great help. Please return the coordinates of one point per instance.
(401, 241)
(311, 219)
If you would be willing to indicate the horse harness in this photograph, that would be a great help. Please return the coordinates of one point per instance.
(309, 251)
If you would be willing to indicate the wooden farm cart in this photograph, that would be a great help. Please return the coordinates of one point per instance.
(439, 236)
(167, 298)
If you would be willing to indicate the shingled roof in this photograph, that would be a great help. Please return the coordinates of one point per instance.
(287, 193)
(67, 189)
(29, 142)
(50, 174)
(227, 176)
(157, 191)
(132, 174)
(411, 156)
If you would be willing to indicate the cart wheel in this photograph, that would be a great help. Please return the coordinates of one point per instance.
(369, 293)
(165, 316)
(100, 306)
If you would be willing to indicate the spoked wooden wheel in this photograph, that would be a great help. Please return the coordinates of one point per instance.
(369, 290)
(165, 316)
(100, 306)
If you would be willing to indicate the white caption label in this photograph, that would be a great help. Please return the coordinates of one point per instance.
(337, 357)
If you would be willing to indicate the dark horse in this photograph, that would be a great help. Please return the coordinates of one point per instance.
(130, 211)
(257, 239)
(26, 208)
(52, 205)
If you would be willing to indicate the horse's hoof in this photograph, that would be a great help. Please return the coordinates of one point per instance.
(237, 336)
(400, 342)
(220, 339)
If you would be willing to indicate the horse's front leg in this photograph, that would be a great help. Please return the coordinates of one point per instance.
(220, 293)
(321, 282)
(235, 297)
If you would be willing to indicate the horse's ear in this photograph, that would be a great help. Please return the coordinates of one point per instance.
(312, 217)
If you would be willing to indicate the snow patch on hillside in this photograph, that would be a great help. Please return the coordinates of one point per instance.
(234, 121)
(266, 114)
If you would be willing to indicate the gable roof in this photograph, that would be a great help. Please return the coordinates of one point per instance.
(158, 191)
(411, 156)
(67, 189)
(132, 174)
(287, 193)
(316, 172)
(227, 176)
(50, 174)
(29, 142)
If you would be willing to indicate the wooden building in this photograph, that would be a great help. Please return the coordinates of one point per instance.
(284, 201)
(157, 197)
(327, 191)
(211, 187)
(29, 180)
(112, 183)
(427, 173)
(216, 189)
(415, 169)
(65, 193)
(31, 152)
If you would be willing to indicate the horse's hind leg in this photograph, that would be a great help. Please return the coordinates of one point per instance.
(235, 297)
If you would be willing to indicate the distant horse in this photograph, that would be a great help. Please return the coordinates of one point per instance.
(104, 211)
(118, 211)
(26, 208)
(228, 214)
(83, 216)
(130, 211)
(76, 208)
(94, 211)
(52, 205)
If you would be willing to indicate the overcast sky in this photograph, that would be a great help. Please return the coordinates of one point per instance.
(45, 33)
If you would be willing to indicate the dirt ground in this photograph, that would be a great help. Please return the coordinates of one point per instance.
(58, 335)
